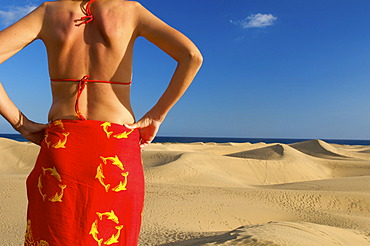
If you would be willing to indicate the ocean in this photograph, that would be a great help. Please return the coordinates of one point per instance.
(161, 139)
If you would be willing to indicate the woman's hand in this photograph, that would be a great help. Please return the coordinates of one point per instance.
(32, 131)
(148, 128)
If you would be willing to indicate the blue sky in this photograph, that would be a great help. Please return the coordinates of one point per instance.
(274, 69)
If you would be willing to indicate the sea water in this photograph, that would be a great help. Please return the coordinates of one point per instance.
(162, 139)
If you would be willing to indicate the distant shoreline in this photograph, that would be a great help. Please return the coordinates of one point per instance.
(162, 139)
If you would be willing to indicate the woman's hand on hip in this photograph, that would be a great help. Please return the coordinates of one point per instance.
(148, 128)
(33, 131)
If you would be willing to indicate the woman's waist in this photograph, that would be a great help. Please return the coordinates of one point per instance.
(118, 114)
(63, 125)
(67, 133)
(75, 130)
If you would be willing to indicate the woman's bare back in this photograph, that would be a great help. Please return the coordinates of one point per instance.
(102, 49)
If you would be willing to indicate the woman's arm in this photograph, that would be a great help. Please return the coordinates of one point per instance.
(12, 40)
(30, 130)
(20, 34)
(189, 60)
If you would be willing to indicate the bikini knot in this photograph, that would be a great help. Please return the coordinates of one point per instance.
(84, 20)
(82, 83)
(85, 78)
(89, 17)
(81, 87)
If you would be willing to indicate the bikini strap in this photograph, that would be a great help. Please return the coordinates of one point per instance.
(81, 86)
(89, 17)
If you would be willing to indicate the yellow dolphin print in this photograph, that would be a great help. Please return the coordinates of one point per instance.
(61, 144)
(110, 216)
(46, 140)
(123, 134)
(100, 175)
(39, 185)
(58, 197)
(115, 161)
(122, 185)
(59, 123)
(94, 231)
(42, 243)
(54, 173)
(114, 238)
(105, 126)
(29, 240)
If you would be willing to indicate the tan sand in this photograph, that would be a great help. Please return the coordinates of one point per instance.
(308, 193)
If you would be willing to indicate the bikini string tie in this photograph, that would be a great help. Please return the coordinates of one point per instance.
(81, 87)
(88, 18)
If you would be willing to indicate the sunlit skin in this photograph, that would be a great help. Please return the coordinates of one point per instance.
(102, 49)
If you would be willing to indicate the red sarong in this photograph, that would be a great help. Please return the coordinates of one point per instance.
(87, 187)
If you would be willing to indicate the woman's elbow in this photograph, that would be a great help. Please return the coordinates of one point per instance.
(197, 57)
(194, 57)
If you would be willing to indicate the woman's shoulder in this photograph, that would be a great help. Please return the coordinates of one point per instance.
(118, 3)
(123, 8)
(52, 5)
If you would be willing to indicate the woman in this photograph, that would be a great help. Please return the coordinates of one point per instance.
(87, 185)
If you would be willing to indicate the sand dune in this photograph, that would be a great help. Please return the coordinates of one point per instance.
(273, 152)
(319, 148)
(284, 233)
(267, 165)
(308, 193)
(16, 157)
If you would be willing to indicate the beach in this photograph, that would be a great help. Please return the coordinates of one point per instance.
(306, 193)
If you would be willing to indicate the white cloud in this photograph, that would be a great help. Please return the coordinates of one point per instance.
(14, 13)
(256, 21)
